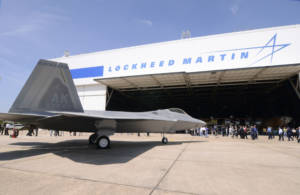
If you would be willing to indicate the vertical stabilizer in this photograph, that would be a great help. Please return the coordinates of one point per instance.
(50, 87)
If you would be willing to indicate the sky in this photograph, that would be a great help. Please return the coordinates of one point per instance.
(43, 29)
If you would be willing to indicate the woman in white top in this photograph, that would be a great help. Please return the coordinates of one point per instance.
(280, 133)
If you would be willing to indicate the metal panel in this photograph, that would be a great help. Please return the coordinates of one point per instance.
(181, 80)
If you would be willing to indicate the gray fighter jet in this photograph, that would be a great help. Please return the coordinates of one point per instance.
(49, 100)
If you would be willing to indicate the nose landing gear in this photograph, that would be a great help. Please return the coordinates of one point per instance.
(164, 140)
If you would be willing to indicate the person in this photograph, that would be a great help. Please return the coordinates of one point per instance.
(253, 132)
(241, 132)
(194, 132)
(227, 130)
(1, 129)
(298, 134)
(231, 133)
(15, 133)
(214, 130)
(280, 133)
(199, 131)
(222, 131)
(36, 131)
(264, 131)
(284, 132)
(236, 131)
(269, 131)
(256, 131)
(6, 128)
(294, 133)
(30, 132)
(245, 132)
(290, 134)
(206, 132)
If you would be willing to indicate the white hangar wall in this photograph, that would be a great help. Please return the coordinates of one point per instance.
(239, 50)
(92, 97)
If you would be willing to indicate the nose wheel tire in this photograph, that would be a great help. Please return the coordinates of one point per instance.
(103, 142)
(164, 140)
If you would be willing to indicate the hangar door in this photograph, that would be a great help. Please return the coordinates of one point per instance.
(254, 92)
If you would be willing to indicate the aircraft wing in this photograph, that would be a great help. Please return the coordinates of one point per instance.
(141, 121)
(20, 117)
(116, 115)
(117, 121)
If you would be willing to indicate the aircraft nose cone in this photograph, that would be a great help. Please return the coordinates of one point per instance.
(200, 121)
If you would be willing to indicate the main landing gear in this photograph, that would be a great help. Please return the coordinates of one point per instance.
(92, 138)
(102, 141)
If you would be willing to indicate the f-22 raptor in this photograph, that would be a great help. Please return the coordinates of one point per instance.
(49, 100)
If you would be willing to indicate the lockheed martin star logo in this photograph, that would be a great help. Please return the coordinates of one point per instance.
(269, 49)
(266, 51)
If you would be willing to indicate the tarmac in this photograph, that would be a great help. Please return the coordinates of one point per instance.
(143, 165)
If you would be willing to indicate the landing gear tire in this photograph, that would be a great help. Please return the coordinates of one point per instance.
(92, 138)
(164, 140)
(103, 142)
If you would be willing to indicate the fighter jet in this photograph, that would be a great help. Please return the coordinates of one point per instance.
(49, 100)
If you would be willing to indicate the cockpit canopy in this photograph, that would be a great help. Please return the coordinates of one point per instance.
(177, 110)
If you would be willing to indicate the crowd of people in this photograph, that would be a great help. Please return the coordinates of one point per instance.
(290, 133)
(4, 129)
(13, 132)
(243, 131)
(233, 131)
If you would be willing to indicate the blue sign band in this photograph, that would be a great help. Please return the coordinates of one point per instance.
(87, 72)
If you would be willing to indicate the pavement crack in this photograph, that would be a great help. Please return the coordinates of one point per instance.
(74, 177)
(166, 173)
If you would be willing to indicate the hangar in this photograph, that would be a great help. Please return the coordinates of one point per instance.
(248, 74)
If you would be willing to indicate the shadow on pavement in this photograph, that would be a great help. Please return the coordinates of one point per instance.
(79, 151)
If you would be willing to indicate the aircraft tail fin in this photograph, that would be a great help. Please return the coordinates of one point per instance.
(50, 87)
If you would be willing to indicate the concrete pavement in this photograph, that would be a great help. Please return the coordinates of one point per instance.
(142, 165)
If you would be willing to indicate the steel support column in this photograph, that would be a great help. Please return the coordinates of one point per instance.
(296, 86)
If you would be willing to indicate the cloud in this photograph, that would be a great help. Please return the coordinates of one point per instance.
(22, 29)
(5, 51)
(10, 71)
(145, 22)
(235, 6)
(35, 22)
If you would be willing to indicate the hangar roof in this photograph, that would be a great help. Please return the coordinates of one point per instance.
(258, 75)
